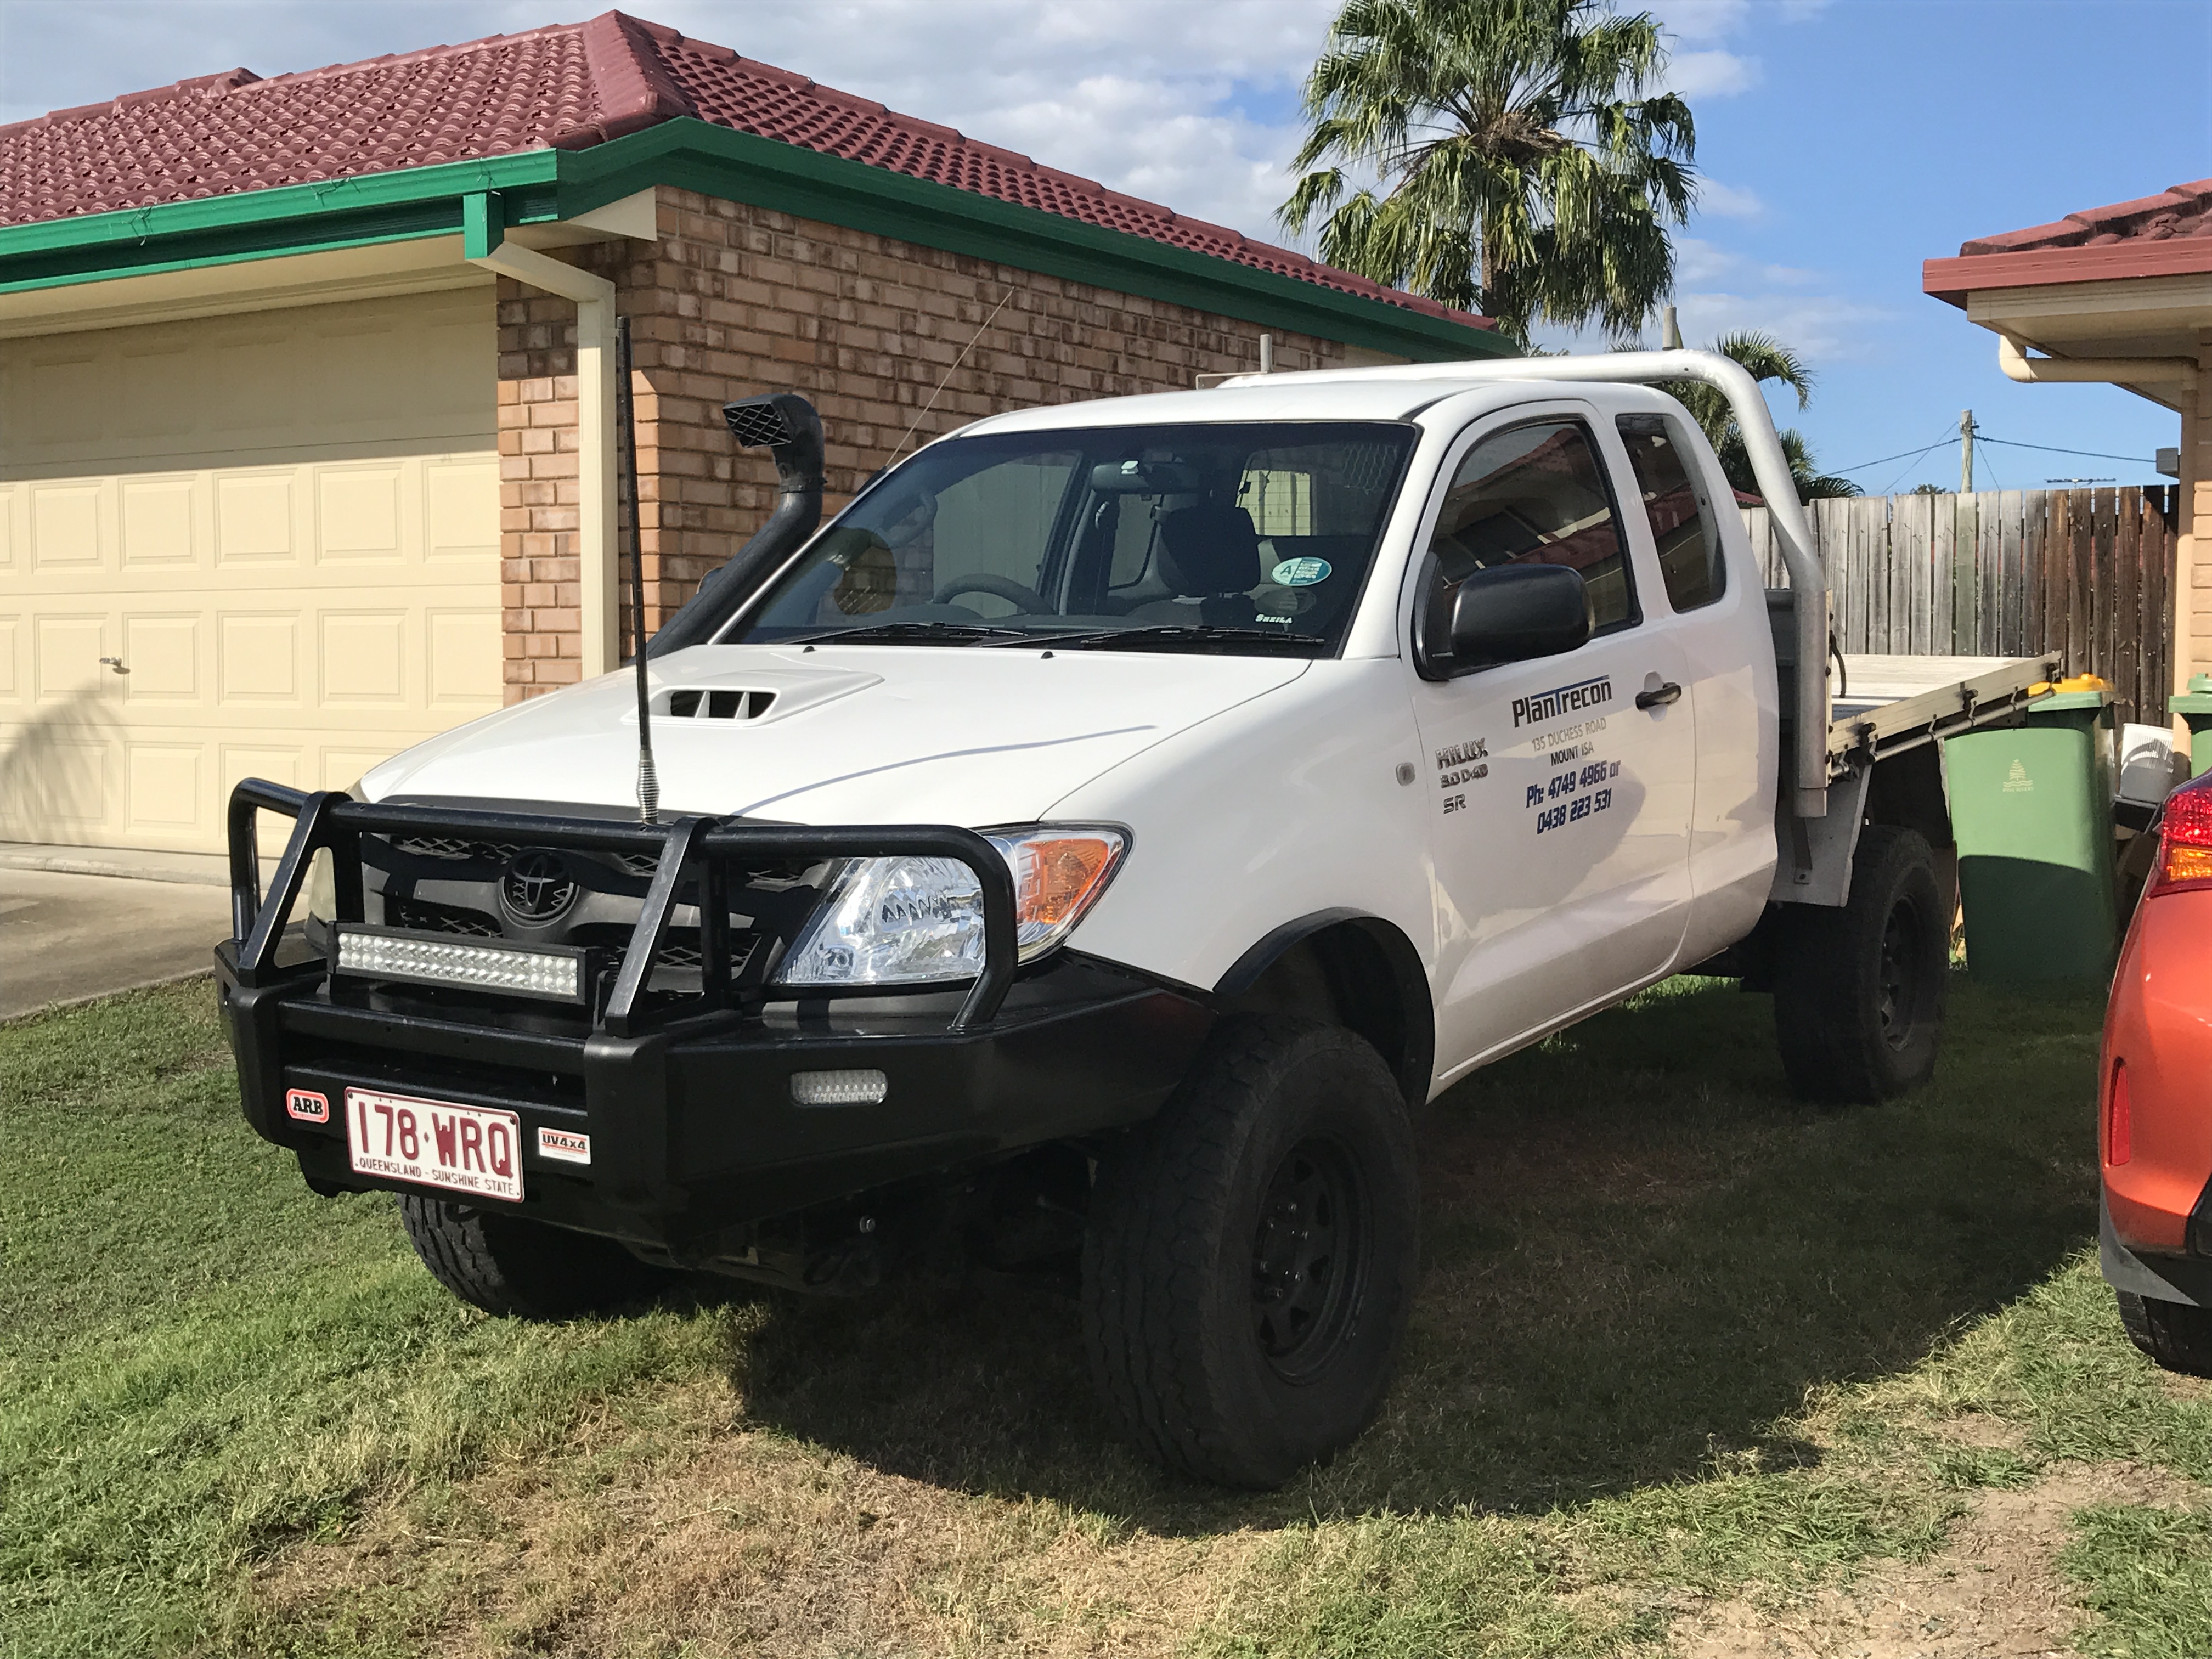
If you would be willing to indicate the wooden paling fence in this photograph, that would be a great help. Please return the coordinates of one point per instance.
(2086, 574)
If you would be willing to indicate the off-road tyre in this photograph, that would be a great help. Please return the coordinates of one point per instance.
(1250, 1254)
(2175, 1334)
(1858, 991)
(523, 1269)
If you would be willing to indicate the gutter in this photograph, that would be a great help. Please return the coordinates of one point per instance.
(2118, 371)
(542, 186)
(484, 243)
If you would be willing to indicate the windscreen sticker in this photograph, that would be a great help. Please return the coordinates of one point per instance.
(1300, 573)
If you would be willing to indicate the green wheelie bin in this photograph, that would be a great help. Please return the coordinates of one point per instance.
(2032, 808)
(2195, 707)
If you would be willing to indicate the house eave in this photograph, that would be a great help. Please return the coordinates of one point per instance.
(546, 187)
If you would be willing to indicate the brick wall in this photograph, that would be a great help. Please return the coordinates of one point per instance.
(2193, 618)
(734, 300)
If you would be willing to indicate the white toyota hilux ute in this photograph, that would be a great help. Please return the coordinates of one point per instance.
(1098, 839)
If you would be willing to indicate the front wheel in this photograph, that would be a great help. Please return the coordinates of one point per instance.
(1858, 991)
(508, 1265)
(1250, 1255)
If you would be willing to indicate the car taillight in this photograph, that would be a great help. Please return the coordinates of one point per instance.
(2119, 1118)
(2184, 842)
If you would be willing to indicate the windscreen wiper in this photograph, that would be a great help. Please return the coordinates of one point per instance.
(1172, 633)
(915, 633)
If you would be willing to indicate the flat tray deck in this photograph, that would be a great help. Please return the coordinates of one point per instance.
(1889, 704)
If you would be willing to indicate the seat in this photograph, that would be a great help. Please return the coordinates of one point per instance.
(1209, 552)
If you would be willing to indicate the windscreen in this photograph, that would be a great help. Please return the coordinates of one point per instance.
(1246, 537)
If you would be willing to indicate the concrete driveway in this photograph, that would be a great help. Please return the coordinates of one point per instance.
(63, 938)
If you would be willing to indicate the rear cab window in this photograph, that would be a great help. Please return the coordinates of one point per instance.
(1678, 509)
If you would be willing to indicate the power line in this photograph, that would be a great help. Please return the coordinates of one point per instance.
(2095, 454)
(1982, 437)
(1900, 455)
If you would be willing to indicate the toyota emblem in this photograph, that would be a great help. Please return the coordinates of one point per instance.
(537, 887)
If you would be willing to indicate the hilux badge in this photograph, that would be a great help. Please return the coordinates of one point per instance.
(538, 886)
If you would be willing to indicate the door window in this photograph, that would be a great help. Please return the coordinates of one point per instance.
(1531, 494)
(1681, 518)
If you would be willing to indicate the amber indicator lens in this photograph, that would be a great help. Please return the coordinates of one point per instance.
(1057, 878)
(2184, 848)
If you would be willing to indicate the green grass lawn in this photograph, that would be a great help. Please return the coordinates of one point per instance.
(1681, 1344)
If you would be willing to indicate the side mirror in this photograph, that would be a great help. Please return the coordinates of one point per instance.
(1511, 612)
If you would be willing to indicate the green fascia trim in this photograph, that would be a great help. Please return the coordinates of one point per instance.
(480, 199)
(484, 223)
(738, 166)
(400, 206)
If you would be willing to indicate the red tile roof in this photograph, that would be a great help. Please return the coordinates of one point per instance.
(569, 86)
(2163, 235)
(2183, 211)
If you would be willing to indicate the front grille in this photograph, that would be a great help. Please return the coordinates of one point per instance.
(453, 848)
(428, 916)
(637, 864)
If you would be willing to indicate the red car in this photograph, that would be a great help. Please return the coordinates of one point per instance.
(2154, 1130)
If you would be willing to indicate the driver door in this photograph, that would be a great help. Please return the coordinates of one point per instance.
(1560, 787)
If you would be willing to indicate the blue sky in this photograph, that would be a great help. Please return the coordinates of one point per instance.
(1843, 141)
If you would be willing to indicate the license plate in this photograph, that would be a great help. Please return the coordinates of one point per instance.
(463, 1149)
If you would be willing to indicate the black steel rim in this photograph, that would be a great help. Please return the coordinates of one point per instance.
(1900, 973)
(1308, 1257)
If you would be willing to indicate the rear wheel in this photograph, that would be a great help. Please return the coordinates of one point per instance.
(1858, 991)
(2174, 1334)
(509, 1266)
(1250, 1253)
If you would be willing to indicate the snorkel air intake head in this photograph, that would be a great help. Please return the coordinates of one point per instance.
(786, 426)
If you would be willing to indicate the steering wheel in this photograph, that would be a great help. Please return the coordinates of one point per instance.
(1026, 600)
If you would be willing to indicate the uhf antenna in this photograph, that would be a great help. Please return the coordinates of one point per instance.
(648, 785)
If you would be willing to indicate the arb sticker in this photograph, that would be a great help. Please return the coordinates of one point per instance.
(564, 1146)
(308, 1106)
(1300, 573)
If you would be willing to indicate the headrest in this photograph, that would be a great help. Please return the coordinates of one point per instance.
(1210, 548)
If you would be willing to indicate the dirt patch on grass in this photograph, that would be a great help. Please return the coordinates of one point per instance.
(1983, 1432)
(747, 1542)
(1995, 1592)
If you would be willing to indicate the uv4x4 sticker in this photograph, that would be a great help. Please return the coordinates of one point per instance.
(1300, 573)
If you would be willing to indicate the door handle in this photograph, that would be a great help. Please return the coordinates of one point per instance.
(1660, 696)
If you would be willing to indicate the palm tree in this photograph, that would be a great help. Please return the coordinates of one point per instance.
(1520, 169)
(1765, 358)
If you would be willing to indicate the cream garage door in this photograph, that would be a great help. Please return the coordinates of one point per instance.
(264, 544)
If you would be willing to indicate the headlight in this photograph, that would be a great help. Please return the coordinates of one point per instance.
(910, 921)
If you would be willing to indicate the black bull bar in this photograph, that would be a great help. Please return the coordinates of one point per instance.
(688, 1099)
(695, 853)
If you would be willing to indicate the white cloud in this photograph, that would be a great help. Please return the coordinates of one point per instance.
(1711, 74)
(1727, 201)
(1819, 327)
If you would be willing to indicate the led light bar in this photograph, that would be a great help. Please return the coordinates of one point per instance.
(551, 972)
(838, 1088)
